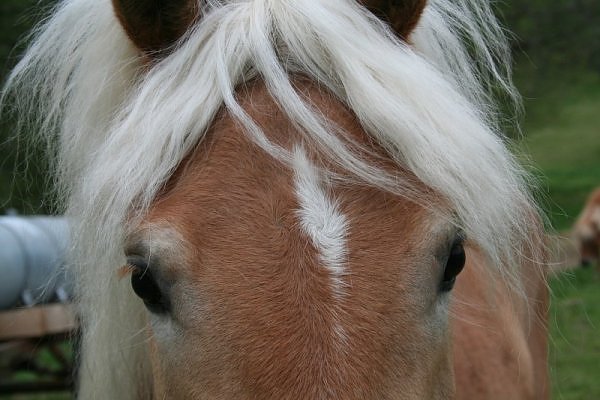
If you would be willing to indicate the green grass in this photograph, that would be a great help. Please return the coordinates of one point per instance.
(575, 335)
(562, 137)
(45, 358)
(23, 179)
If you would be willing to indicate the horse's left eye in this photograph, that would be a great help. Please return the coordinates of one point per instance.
(146, 287)
(454, 265)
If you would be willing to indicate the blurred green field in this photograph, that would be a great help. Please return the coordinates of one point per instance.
(562, 136)
(575, 335)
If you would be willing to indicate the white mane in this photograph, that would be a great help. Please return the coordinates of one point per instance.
(121, 128)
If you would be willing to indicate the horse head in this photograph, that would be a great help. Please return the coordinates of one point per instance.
(291, 199)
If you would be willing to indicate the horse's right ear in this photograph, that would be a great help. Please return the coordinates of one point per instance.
(402, 15)
(155, 25)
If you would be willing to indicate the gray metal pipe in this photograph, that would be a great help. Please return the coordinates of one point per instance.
(32, 254)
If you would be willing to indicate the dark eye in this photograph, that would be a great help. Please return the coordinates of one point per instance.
(454, 264)
(146, 288)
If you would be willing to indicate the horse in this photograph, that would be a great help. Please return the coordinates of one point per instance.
(586, 230)
(290, 199)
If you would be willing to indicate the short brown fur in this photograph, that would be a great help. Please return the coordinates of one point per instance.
(259, 309)
(254, 315)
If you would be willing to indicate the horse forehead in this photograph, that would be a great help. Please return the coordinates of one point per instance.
(301, 274)
(249, 214)
(228, 172)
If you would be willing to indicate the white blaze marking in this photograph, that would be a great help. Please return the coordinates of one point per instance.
(321, 220)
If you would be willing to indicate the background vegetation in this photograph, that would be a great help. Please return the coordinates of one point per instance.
(23, 169)
(557, 69)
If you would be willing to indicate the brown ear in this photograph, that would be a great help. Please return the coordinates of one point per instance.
(402, 15)
(155, 25)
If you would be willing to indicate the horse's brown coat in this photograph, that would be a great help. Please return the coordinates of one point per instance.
(499, 339)
(258, 309)
(254, 314)
(268, 301)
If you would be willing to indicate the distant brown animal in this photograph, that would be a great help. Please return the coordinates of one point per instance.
(586, 231)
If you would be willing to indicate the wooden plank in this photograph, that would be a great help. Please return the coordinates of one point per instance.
(38, 321)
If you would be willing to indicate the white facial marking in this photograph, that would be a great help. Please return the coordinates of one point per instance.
(321, 220)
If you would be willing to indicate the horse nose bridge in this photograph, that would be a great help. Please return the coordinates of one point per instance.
(310, 362)
(294, 333)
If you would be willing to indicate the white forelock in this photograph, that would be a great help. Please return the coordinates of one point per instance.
(122, 128)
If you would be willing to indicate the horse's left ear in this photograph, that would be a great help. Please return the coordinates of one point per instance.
(155, 25)
(402, 15)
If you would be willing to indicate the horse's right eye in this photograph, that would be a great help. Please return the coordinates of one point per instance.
(145, 286)
(454, 265)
